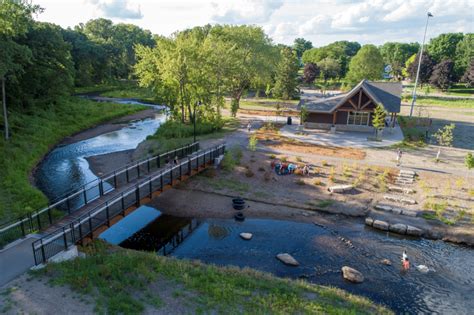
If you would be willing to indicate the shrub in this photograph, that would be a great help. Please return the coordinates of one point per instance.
(272, 156)
(176, 129)
(228, 162)
(253, 143)
(298, 159)
(324, 163)
(317, 182)
(284, 159)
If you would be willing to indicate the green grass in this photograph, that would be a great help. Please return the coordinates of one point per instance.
(456, 90)
(228, 184)
(172, 135)
(266, 104)
(442, 102)
(34, 133)
(119, 280)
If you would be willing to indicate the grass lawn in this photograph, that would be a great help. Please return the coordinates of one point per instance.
(455, 90)
(34, 133)
(265, 103)
(122, 281)
(439, 101)
(171, 135)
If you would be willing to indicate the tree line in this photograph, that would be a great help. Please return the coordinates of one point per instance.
(204, 64)
(448, 58)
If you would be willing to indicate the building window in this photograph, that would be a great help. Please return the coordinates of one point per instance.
(358, 118)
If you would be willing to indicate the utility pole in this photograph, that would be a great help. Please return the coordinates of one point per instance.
(4, 103)
(419, 65)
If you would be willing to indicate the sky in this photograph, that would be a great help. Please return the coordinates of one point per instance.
(320, 21)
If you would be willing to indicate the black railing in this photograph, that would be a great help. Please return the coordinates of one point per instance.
(40, 219)
(84, 226)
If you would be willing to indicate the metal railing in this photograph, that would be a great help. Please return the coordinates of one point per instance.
(40, 219)
(86, 224)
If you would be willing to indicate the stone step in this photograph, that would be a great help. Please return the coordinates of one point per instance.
(400, 199)
(399, 228)
(396, 210)
(402, 190)
(408, 172)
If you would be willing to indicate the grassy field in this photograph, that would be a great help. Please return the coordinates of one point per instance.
(439, 101)
(125, 281)
(455, 90)
(171, 134)
(33, 135)
(265, 104)
(120, 90)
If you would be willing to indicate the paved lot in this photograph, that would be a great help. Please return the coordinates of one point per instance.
(343, 138)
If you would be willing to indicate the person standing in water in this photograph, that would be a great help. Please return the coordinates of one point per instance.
(405, 261)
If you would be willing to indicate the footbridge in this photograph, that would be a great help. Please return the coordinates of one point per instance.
(91, 219)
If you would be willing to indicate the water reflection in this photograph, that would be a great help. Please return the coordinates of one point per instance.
(321, 253)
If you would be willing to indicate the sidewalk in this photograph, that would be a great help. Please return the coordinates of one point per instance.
(16, 259)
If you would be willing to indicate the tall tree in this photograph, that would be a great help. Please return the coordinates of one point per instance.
(396, 55)
(444, 46)
(442, 75)
(468, 77)
(366, 64)
(426, 68)
(329, 68)
(464, 55)
(310, 73)
(15, 18)
(301, 45)
(286, 74)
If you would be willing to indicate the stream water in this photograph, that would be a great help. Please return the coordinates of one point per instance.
(321, 251)
(65, 167)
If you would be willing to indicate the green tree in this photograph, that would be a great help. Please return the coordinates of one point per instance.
(366, 64)
(378, 120)
(303, 114)
(445, 137)
(397, 54)
(310, 72)
(301, 45)
(286, 75)
(444, 46)
(15, 18)
(329, 68)
(464, 55)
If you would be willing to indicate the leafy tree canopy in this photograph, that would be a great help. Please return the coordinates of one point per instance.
(366, 64)
(301, 45)
(444, 46)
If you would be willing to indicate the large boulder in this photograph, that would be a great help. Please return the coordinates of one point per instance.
(287, 259)
(340, 188)
(381, 225)
(369, 221)
(414, 231)
(246, 236)
(352, 275)
(398, 228)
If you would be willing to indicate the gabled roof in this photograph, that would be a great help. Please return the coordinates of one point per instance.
(387, 94)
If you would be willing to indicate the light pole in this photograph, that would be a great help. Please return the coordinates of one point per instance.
(419, 64)
(194, 118)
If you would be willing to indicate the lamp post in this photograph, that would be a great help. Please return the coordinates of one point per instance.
(194, 118)
(419, 65)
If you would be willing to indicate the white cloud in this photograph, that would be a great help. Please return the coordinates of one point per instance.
(244, 11)
(321, 21)
(121, 9)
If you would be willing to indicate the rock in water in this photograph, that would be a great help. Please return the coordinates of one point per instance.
(246, 236)
(287, 259)
(352, 275)
(386, 262)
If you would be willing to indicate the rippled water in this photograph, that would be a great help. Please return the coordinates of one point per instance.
(66, 168)
(322, 252)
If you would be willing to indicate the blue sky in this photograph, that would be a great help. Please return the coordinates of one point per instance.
(322, 22)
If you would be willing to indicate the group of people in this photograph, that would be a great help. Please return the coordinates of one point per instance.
(283, 168)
